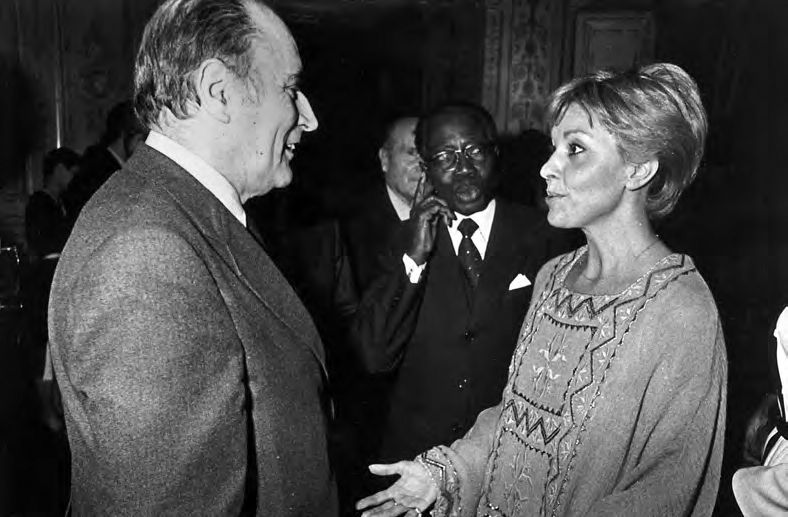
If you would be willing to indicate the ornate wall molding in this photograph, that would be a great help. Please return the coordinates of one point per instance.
(521, 60)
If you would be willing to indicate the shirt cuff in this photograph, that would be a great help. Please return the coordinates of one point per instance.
(412, 269)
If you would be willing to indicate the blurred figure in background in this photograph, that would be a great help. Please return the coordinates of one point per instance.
(370, 230)
(47, 226)
(42, 467)
(47, 222)
(761, 487)
(122, 134)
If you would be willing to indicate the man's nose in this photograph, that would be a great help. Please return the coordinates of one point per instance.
(306, 117)
(464, 164)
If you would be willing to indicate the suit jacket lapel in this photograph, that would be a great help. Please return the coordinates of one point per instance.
(235, 245)
(506, 256)
(444, 248)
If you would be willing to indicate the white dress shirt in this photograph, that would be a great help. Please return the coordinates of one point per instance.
(480, 238)
(401, 206)
(483, 218)
(209, 177)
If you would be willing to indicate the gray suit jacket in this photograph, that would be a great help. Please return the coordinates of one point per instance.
(193, 380)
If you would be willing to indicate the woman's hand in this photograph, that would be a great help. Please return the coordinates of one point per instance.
(413, 493)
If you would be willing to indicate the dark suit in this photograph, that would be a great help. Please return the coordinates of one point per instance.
(449, 348)
(368, 234)
(46, 225)
(192, 377)
(95, 168)
(47, 228)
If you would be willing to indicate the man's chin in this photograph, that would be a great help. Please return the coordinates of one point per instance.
(468, 207)
(284, 177)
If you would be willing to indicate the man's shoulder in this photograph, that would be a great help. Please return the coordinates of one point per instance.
(373, 215)
(128, 199)
(97, 158)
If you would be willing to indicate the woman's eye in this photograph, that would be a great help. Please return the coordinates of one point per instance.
(575, 149)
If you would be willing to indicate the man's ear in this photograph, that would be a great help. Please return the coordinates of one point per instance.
(383, 156)
(213, 81)
(641, 174)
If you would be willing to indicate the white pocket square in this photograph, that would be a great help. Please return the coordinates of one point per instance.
(519, 281)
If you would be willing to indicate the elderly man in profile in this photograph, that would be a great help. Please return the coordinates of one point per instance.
(192, 376)
(369, 231)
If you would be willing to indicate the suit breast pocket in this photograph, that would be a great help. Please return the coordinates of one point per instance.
(517, 297)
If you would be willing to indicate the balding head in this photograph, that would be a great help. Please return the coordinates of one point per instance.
(182, 34)
(220, 78)
(399, 159)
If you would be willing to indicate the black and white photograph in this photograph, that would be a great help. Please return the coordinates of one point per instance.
(380, 258)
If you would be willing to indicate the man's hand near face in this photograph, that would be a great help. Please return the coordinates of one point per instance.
(426, 212)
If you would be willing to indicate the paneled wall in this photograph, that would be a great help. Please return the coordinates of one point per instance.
(97, 53)
(522, 60)
(64, 64)
(529, 50)
(28, 123)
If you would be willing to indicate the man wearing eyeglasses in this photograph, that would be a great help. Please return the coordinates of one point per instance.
(445, 317)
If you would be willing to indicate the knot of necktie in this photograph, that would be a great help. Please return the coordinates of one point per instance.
(467, 227)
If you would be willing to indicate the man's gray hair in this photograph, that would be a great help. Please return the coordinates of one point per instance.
(180, 35)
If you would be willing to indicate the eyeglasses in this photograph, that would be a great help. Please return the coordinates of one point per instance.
(450, 158)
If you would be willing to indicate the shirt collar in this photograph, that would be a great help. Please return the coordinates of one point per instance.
(208, 177)
(400, 205)
(480, 238)
(484, 218)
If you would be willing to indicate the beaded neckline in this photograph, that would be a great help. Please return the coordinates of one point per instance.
(581, 252)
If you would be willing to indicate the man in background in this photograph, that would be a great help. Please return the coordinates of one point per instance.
(47, 224)
(47, 227)
(122, 134)
(443, 315)
(368, 232)
(193, 379)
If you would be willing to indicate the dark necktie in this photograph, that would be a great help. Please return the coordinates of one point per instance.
(469, 256)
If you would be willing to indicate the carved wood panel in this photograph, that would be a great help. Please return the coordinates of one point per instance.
(615, 40)
(521, 60)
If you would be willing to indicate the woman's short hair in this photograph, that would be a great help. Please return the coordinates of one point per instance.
(654, 112)
(180, 35)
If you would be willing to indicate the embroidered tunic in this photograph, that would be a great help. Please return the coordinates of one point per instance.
(615, 405)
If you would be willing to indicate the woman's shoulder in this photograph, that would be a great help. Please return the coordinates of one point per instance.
(677, 283)
(680, 308)
(558, 266)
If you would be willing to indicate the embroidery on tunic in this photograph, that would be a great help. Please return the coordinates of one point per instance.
(567, 344)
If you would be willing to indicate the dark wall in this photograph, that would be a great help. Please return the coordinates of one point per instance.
(362, 68)
(733, 219)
